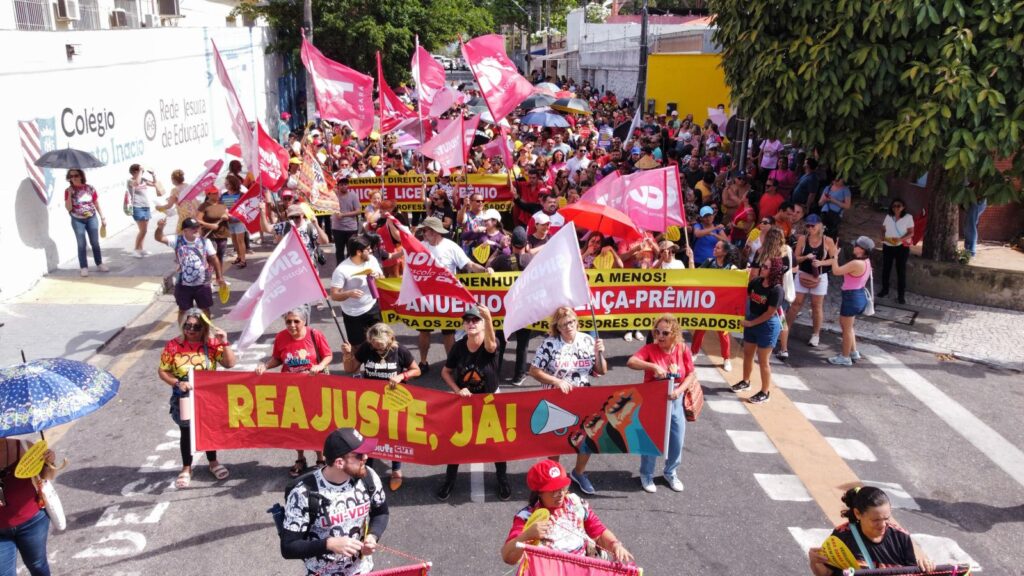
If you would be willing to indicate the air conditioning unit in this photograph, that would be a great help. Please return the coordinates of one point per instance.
(118, 18)
(149, 21)
(67, 10)
(169, 8)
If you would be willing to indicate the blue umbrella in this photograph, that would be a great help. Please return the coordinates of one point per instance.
(49, 392)
(546, 118)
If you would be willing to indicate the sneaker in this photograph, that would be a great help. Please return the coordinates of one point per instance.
(445, 491)
(782, 354)
(674, 483)
(647, 483)
(901, 300)
(138, 254)
(759, 398)
(518, 380)
(583, 482)
(146, 253)
(84, 272)
(855, 355)
(840, 360)
(424, 368)
(628, 337)
(504, 489)
(638, 335)
(727, 365)
(741, 385)
(103, 268)
(813, 342)
(883, 294)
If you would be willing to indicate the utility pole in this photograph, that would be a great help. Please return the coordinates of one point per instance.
(307, 23)
(641, 81)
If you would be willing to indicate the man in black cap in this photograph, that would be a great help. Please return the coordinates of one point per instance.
(350, 511)
(196, 257)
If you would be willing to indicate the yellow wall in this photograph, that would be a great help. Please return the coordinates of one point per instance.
(695, 82)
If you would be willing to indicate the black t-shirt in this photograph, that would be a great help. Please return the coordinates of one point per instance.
(762, 298)
(511, 263)
(477, 371)
(896, 548)
(376, 368)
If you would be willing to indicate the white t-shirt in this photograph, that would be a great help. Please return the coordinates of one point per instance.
(575, 163)
(572, 362)
(345, 277)
(449, 255)
(770, 154)
(897, 228)
(673, 264)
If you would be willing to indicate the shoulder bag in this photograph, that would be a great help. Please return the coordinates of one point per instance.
(788, 285)
(869, 293)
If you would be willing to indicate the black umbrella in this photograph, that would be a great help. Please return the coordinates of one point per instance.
(476, 105)
(480, 138)
(571, 105)
(537, 101)
(622, 130)
(69, 158)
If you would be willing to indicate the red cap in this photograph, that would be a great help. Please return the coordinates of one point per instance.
(211, 188)
(545, 476)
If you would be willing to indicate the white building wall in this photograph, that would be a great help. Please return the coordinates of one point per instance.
(159, 104)
(193, 14)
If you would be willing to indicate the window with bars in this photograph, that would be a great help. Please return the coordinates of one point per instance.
(32, 14)
(90, 12)
(131, 8)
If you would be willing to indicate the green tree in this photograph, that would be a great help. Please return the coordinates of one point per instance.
(352, 31)
(900, 87)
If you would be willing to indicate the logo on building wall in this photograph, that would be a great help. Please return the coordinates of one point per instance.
(38, 137)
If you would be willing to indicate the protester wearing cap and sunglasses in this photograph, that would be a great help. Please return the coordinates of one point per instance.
(571, 527)
(83, 204)
(196, 258)
(856, 273)
(811, 279)
(344, 536)
(472, 368)
(308, 231)
(195, 349)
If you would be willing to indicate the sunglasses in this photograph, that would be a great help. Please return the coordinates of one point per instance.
(663, 333)
(470, 320)
(765, 221)
(289, 322)
(192, 327)
(568, 323)
(295, 218)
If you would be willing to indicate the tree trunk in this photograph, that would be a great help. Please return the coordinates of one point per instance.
(942, 233)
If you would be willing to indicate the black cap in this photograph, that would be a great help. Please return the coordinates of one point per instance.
(519, 237)
(345, 441)
(189, 223)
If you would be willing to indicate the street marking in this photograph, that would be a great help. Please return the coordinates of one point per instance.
(992, 444)
(898, 497)
(817, 412)
(755, 442)
(476, 482)
(944, 550)
(109, 517)
(709, 374)
(135, 543)
(808, 538)
(726, 406)
(850, 449)
(788, 382)
(783, 487)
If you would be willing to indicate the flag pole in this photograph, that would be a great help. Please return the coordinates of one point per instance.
(334, 316)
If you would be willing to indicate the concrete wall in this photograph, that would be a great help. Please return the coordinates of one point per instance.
(959, 283)
(194, 14)
(160, 104)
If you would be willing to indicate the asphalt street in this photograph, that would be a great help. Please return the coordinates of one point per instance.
(750, 503)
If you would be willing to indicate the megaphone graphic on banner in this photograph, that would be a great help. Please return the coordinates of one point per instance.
(548, 417)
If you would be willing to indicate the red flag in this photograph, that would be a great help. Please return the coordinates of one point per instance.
(448, 147)
(428, 74)
(239, 123)
(392, 110)
(543, 561)
(342, 94)
(204, 181)
(502, 86)
(652, 199)
(247, 208)
(288, 279)
(423, 275)
(273, 161)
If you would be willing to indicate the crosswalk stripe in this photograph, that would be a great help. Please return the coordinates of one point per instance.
(898, 497)
(783, 487)
(817, 412)
(851, 449)
(751, 441)
(788, 382)
(940, 549)
(726, 406)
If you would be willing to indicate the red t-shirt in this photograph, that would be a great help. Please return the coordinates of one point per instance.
(680, 356)
(569, 523)
(19, 493)
(769, 204)
(300, 355)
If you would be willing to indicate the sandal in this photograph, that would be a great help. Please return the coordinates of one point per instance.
(219, 471)
(298, 468)
(240, 265)
(237, 261)
(183, 480)
(396, 480)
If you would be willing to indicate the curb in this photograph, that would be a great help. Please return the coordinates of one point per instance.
(167, 285)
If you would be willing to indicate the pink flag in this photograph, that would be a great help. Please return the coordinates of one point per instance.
(273, 161)
(424, 276)
(239, 123)
(247, 208)
(503, 87)
(544, 561)
(428, 74)
(288, 279)
(392, 110)
(554, 278)
(342, 94)
(204, 181)
(500, 145)
(651, 198)
(605, 192)
(448, 147)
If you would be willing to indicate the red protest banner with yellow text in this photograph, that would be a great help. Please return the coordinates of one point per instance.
(701, 299)
(407, 191)
(237, 410)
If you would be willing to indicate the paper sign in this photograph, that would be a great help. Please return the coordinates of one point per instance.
(397, 399)
(604, 261)
(482, 252)
(539, 515)
(31, 463)
(224, 292)
(838, 554)
(672, 234)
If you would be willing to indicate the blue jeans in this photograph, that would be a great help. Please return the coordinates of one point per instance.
(90, 226)
(29, 539)
(971, 225)
(676, 435)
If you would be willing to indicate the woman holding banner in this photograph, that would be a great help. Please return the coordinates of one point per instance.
(722, 259)
(565, 360)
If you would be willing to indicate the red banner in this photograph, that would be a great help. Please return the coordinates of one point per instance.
(701, 299)
(407, 191)
(247, 208)
(239, 410)
(273, 161)
(424, 276)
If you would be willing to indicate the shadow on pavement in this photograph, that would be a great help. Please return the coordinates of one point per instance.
(971, 516)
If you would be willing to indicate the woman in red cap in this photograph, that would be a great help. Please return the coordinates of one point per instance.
(572, 526)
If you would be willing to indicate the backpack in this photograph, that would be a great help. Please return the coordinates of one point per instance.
(317, 504)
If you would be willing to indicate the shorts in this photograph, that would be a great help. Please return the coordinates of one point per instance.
(140, 214)
(765, 335)
(236, 226)
(820, 290)
(197, 296)
(854, 302)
